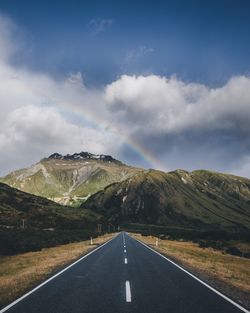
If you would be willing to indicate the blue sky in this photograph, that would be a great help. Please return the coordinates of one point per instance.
(161, 84)
(202, 41)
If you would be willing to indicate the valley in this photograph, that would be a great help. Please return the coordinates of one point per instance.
(49, 212)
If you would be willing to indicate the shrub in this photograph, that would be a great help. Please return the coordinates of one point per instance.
(234, 251)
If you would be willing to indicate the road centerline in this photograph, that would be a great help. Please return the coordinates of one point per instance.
(128, 291)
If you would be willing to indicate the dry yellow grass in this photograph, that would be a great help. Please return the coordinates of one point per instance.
(20, 272)
(223, 270)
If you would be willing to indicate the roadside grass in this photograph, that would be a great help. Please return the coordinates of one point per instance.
(243, 247)
(21, 272)
(228, 273)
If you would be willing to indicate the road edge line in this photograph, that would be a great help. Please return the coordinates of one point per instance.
(51, 278)
(195, 277)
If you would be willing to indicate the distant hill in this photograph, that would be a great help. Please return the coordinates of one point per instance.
(69, 179)
(29, 222)
(200, 200)
(38, 212)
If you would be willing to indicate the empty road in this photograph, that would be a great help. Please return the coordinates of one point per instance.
(123, 276)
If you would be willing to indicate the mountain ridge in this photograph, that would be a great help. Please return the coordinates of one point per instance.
(83, 156)
(200, 200)
(69, 179)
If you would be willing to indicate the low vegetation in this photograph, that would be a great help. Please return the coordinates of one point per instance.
(228, 273)
(15, 241)
(199, 201)
(197, 235)
(30, 223)
(19, 273)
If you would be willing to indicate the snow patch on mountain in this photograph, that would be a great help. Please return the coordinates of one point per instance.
(83, 156)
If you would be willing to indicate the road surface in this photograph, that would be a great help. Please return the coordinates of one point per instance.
(123, 276)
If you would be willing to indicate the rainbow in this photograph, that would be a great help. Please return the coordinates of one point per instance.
(146, 155)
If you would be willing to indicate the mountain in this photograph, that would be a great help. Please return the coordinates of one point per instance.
(29, 222)
(69, 179)
(200, 200)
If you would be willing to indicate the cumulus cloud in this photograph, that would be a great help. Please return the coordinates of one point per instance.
(45, 127)
(31, 131)
(184, 124)
(170, 105)
(40, 115)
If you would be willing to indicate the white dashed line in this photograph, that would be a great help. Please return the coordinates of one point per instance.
(128, 291)
(126, 261)
(125, 250)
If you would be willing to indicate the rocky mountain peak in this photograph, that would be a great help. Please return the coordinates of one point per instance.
(83, 156)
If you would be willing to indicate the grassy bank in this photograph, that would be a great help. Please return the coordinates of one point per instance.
(16, 241)
(19, 273)
(193, 234)
(230, 274)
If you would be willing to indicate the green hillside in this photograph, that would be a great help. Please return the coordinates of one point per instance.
(200, 200)
(69, 179)
(28, 222)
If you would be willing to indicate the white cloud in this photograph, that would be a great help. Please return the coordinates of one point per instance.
(76, 78)
(158, 104)
(41, 115)
(8, 46)
(98, 26)
(136, 54)
(44, 127)
(186, 124)
(32, 132)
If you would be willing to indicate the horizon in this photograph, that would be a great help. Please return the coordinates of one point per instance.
(156, 85)
(127, 164)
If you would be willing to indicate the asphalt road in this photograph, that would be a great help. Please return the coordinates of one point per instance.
(123, 276)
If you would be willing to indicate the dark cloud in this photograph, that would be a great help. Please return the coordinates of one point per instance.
(214, 150)
(181, 124)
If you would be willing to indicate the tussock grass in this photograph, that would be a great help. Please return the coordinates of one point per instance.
(21, 272)
(230, 274)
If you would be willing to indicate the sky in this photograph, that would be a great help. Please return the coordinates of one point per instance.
(156, 84)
